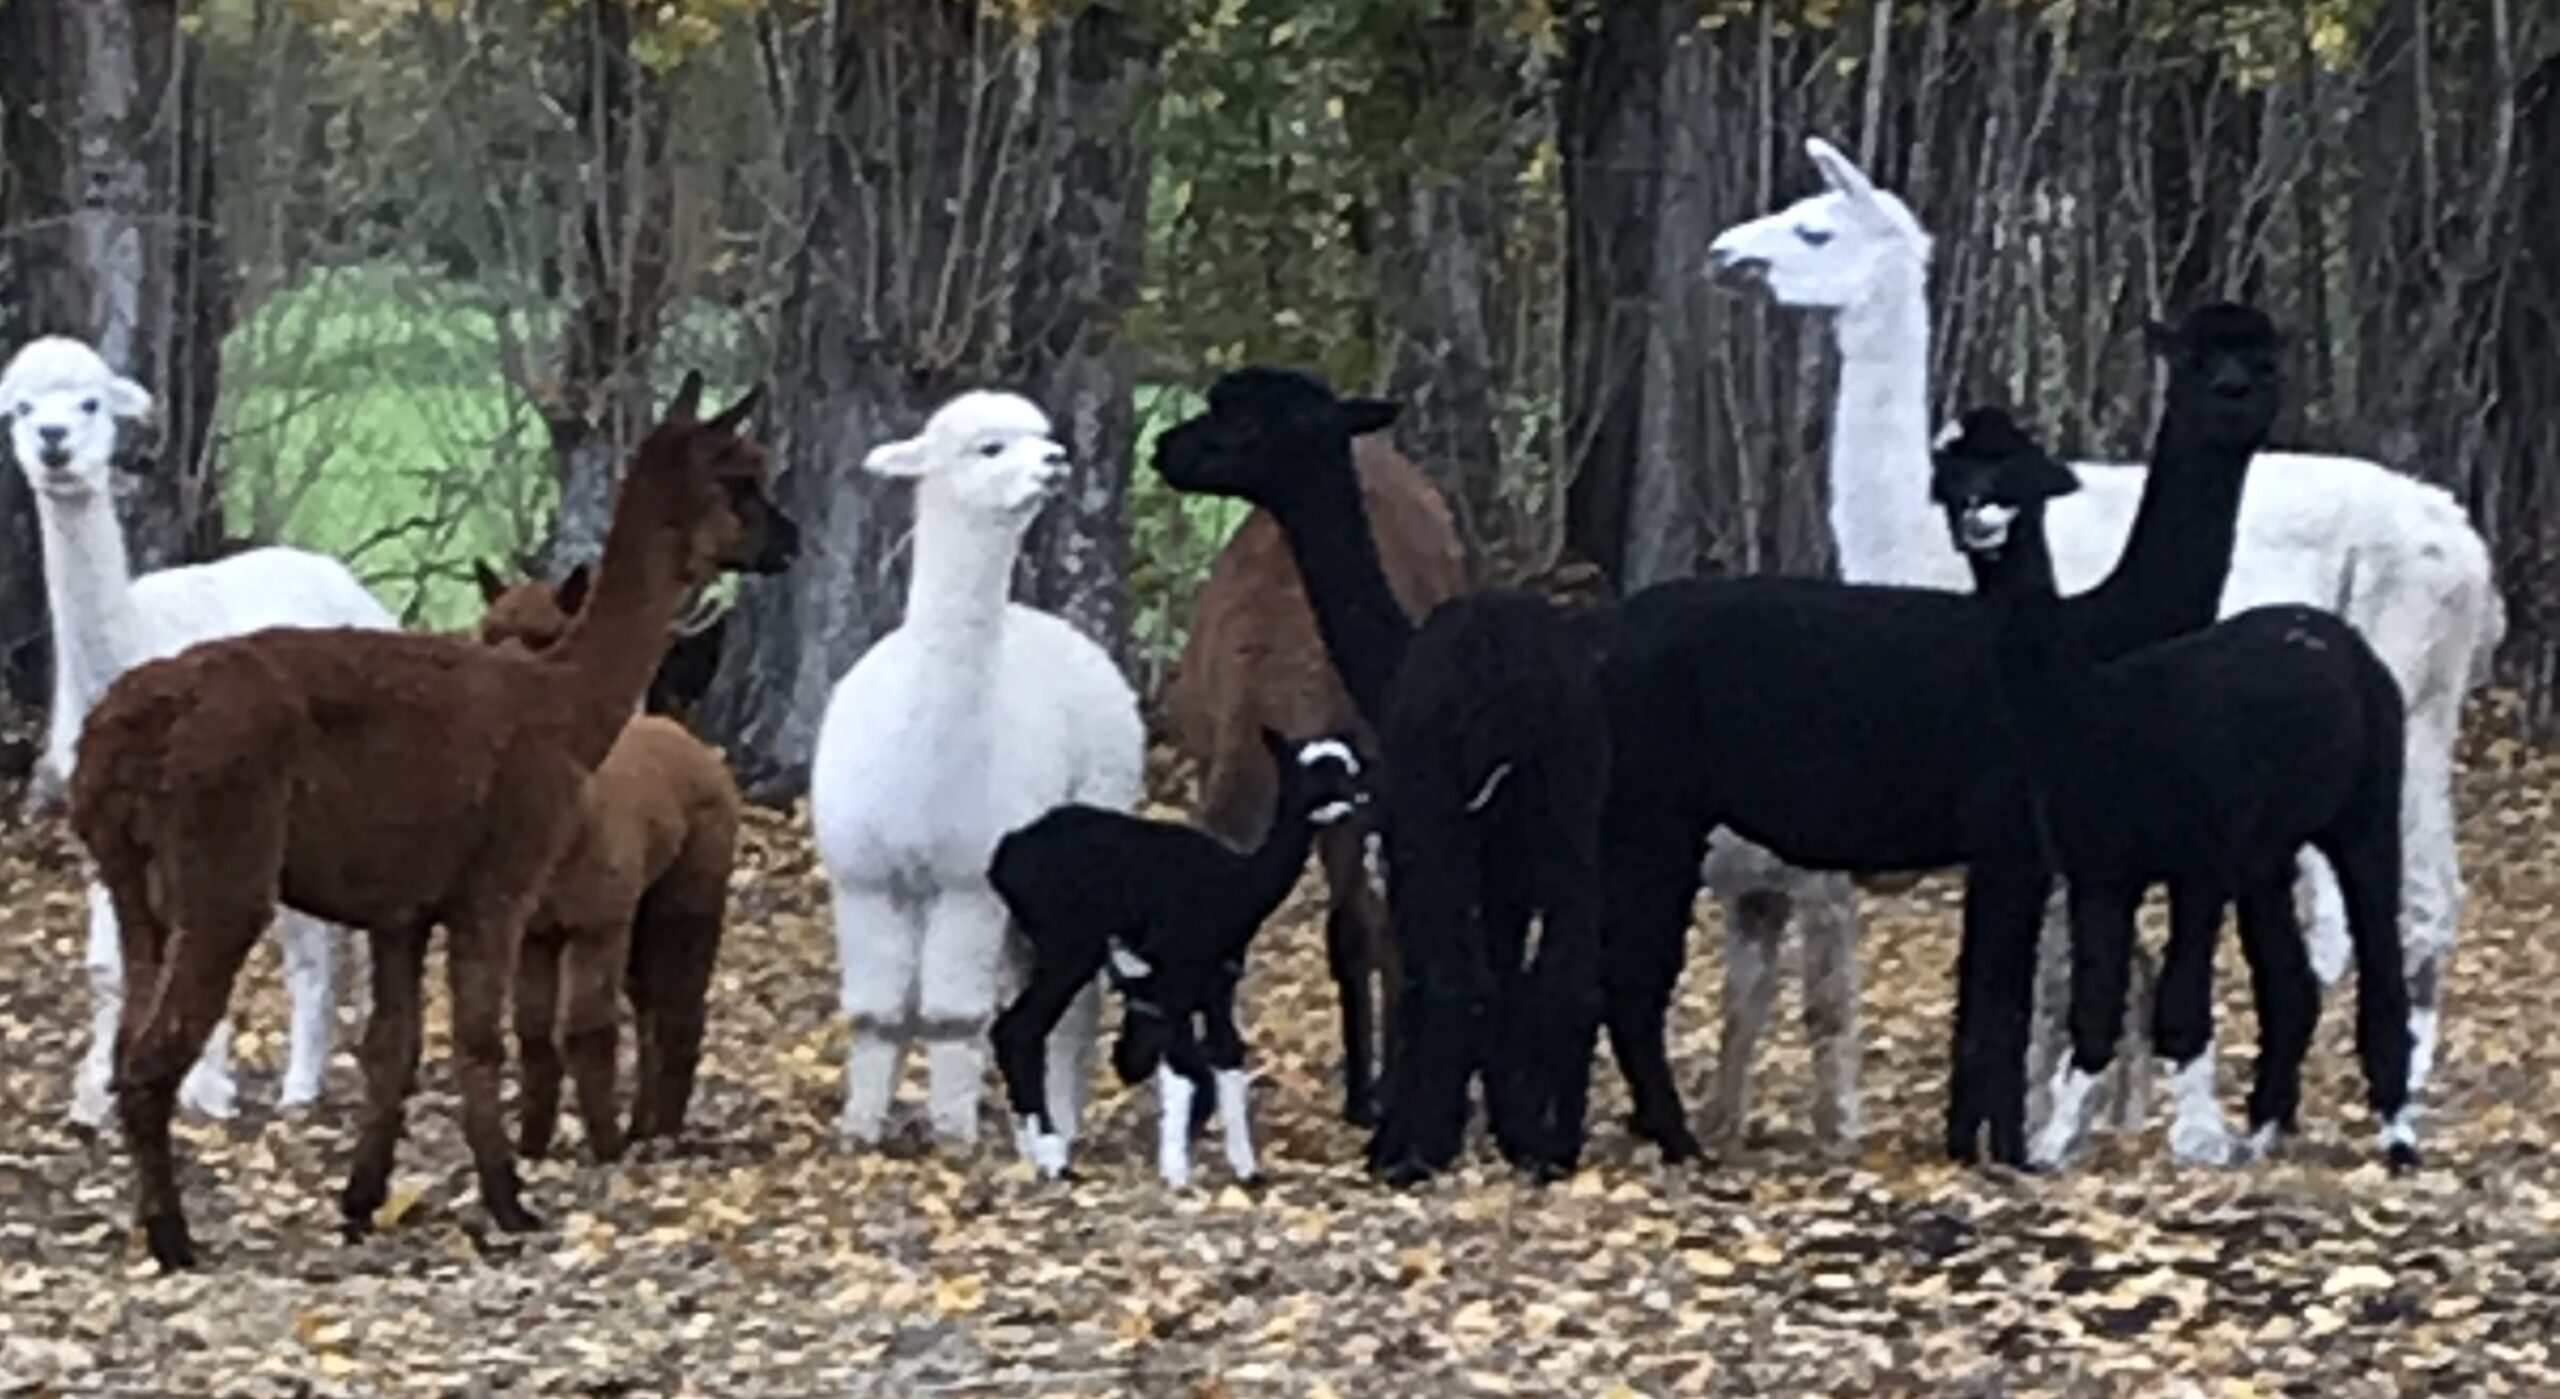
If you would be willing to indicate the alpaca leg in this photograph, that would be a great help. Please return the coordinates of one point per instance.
(2101, 950)
(187, 1002)
(876, 941)
(1223, 1047)
(390, 1054)
(590, 1003)
(2287, 990)
(480, 948)
(2049, 1033)
(1995, 980)
(2128, 1090)
(1021, 1036)
(537, 1012)
(1755, 929)
(2431, 897)
(2199, 1134)
(2369, 874)
(1652, 886)
(311, 982)
(1173, 1123)
(1831, 1008)
(964, 946)
(1566, 985)
(671, 1000)
(90, 1099)
(1423, 1124)
(1074, 1048)
(1349, 928)
(1512, 1074)
(2325, 912)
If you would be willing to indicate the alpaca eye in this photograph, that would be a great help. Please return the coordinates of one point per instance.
(89, 406)
(1814, 237)
(992, 449)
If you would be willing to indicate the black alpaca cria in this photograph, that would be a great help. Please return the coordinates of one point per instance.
(1168, 912)
(1494, 754)
(2205, 762)
(1845, 728)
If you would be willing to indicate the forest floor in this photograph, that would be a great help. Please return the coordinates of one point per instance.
(774, 1262)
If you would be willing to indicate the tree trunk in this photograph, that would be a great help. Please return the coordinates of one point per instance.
(1081, 277)
(600, 406)
(1610, 128)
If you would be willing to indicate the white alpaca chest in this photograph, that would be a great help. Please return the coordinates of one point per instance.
(937, 743)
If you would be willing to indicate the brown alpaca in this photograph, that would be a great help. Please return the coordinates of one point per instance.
(636, 902)
(1254, 661)
(388, 782)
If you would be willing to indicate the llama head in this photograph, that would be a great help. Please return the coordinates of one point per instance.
(1827, 249)
(532, 615)
(1988, 474)
(702, 481)
(1274, 437)
(988, 453)
(62, 402)
(2226, 372)
(1321, 777)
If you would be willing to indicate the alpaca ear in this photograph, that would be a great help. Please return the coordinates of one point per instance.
(903, 458)
(572, 592)
(127, 399)
(1359, 417)
(688, 399)
(491, 585)
(1840, 172)
(737, 412)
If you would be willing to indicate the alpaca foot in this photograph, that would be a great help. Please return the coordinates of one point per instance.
(1673, 1137)
(211, 1092)
(2199, 1135)
(2066, 1124)
(511, 1216)
(1046, 1151)
(2400, 1141)
(1174, 1099)
(171, 1247)
(1235, 1126)
(2260, 1144)
(301, 1089)
(90, 1100)
(1359, 1108)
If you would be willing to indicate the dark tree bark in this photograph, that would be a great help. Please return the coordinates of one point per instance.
(599, 407)
(2525, 423)
(947, 208)
(1610, 129)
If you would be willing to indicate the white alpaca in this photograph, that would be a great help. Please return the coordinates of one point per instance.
(2394, 556)
(63, 402)
(972, 718)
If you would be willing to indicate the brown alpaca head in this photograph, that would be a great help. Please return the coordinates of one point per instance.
(701, 480)
(533, 615)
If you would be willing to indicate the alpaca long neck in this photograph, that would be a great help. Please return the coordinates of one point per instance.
(960, 576)
(1274, 866)
(621, 635)
(88, 583)
(2051, 684)
(2176, 559)
(1365, 629)
(1882, 524)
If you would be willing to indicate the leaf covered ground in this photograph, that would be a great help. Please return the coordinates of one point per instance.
(773, 1262)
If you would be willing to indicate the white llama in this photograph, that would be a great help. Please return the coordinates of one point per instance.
(2394, 556)
(971, 719)
(63, 402)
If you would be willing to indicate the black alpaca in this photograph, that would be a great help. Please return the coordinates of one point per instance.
(2205, 762)
(1492, 754)
(1168, 911)
(1845, 729)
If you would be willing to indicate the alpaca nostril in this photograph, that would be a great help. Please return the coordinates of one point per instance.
(52, 436)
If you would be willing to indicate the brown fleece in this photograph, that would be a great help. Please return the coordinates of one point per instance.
(637, 900)
(388, 782)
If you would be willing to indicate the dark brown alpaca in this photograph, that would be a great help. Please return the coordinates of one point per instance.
(1254, 661)
(393, 783)
(636, 902)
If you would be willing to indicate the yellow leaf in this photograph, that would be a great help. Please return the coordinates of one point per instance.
(402, 1199)
(960, 1295)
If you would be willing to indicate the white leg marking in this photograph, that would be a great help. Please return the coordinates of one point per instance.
(2401, 1132)
(1234, 1121)
(2067, 1120)
(310, 978)
(2422, 1048)
(1173, 1125)
(2257, 1146)
(2199, 1135)
(1046, 1151)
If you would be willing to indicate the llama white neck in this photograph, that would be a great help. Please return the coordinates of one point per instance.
(960, 575)
(1882, 523)
(88, 584)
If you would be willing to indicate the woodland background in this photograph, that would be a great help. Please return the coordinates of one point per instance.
(404, 273)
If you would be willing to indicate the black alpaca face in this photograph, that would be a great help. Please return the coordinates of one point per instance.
(1987, 475)
(1268, 434)
(1324, 776)
(2226, 370)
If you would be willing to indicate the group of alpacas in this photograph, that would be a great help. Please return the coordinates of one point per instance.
(1550, 786)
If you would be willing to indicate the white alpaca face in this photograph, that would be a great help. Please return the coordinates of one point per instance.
(1825, 250)
(989, 453)
(1983, 527)
(62, 402)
